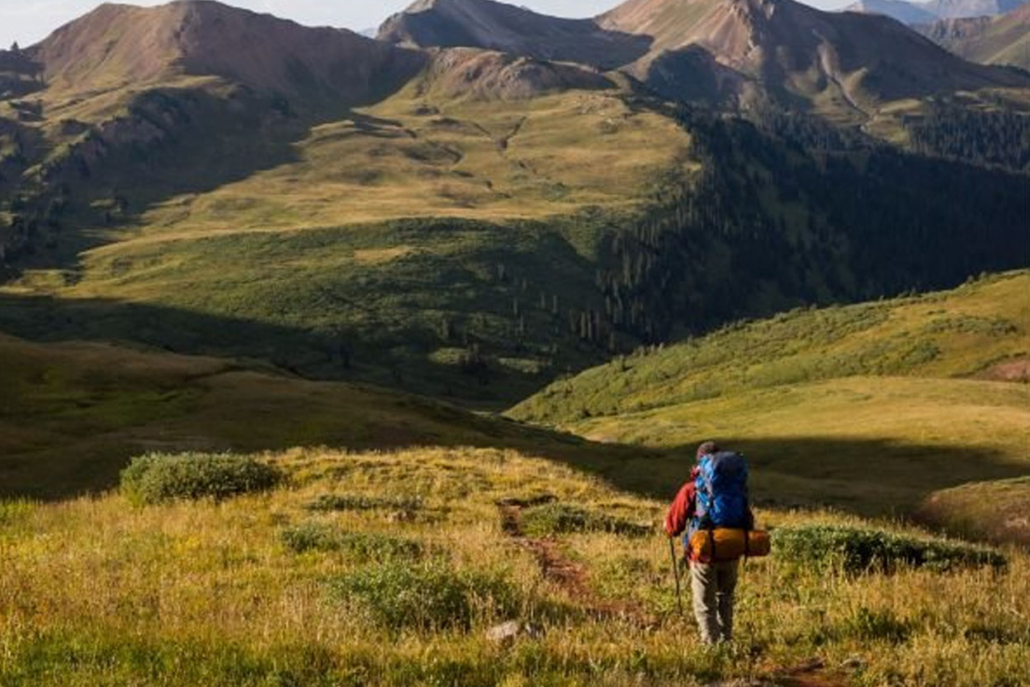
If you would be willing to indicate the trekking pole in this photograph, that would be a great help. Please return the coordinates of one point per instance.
(676, 574)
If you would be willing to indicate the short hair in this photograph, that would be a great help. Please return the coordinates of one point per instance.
(706, 448)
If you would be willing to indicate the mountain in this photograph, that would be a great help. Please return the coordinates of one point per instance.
(504, 27)
(906, 12)
(927, 12)
(487, 222)
(120, 45)
(843, 65)
(736, 54)
(1002, 40)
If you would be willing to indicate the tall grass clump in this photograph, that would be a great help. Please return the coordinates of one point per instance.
(859, 550)
(159, 477)
(561, 518)
(375, 546)
(426, 597)
(345, 502)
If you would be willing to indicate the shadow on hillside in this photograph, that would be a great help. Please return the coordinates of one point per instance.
(863, 477)
(174, 143)
(316, 354)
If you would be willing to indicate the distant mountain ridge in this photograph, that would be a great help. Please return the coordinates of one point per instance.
(1003, 39)
(500, 26)
(729, 53)
(117, 45)
(927, 12)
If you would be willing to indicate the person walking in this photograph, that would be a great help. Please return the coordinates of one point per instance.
(715, 495)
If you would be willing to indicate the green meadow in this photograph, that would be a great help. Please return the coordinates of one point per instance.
(389, 568)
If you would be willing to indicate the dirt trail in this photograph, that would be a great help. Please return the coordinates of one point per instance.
(572, 577)
(567, 574)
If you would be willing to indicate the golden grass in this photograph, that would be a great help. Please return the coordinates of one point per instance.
(206, 593)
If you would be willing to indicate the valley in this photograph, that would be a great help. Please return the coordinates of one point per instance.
(336, 360)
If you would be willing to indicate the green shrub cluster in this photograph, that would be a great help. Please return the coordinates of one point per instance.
(158, 477)
(338, 502)
(312, 536)
(560, 518)
(428, 596)
(858, 550)
(876, 625)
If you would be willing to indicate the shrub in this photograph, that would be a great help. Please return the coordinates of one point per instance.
(559, 518)
(858, 550)
(879, 625)
(158, 477)
(426, 597)
(338, 502)
(366, 545)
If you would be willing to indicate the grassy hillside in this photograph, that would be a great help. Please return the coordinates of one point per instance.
(72, 414)
(959, 333)
(869, 408)
(485, 225)
(294, 587)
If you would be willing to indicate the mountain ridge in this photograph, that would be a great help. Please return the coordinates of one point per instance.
(732, 53)
(500, 26)
(1002, 40)
(115, 45)
(927, 12)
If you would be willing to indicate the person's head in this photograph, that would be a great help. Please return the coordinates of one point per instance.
(705, 449)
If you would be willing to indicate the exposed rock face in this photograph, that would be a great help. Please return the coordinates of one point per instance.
(498, 26)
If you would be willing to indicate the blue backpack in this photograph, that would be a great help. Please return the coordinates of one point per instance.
(722, 498)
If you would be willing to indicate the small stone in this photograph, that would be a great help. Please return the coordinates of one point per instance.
(505, 633)
(853, 663)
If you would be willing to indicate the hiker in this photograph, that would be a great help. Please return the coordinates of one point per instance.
(712, 582)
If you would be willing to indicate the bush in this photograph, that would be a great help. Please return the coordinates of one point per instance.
(559, 518)
(365, 545)
(158, 477)
(878, 625)
(858, 550)
(426, 597)
(338, 502)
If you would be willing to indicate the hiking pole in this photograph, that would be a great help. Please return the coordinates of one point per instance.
(676, 574)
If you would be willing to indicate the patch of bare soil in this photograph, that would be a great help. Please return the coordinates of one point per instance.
(808, 674)
(1017, 370)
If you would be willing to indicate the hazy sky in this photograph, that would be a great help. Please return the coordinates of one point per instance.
(28, 21)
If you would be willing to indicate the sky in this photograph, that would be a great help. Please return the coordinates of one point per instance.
(29, 21)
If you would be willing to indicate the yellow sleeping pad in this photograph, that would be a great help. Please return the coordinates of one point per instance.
(724, 544)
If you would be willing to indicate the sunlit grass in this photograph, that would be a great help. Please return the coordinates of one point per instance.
(98, 591)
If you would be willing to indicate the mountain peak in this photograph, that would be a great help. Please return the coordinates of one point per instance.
(116, 44)
(499, 26)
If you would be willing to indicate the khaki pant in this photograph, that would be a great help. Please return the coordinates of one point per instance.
(712, 585)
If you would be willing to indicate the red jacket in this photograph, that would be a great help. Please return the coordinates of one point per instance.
(681, 512)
